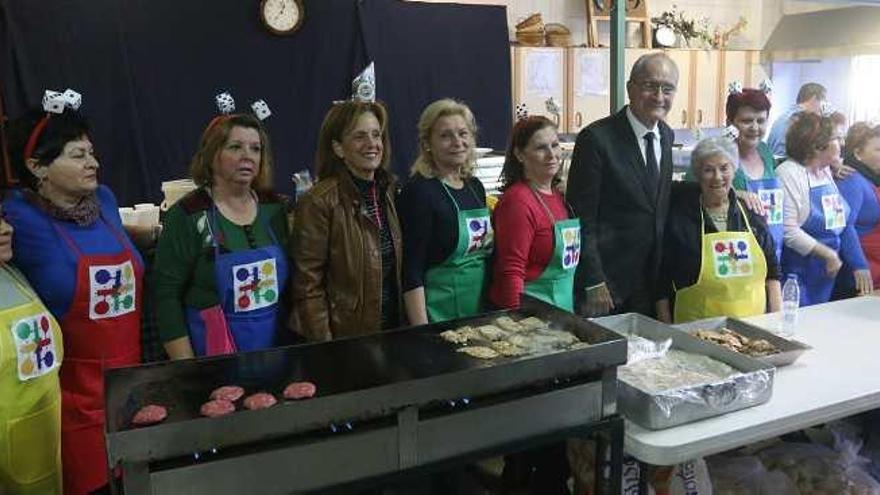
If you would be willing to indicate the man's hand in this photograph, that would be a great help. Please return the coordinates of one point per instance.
(752, 202)
(864, 282)
(599, 301)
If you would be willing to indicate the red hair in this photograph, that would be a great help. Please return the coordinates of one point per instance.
(748, 97)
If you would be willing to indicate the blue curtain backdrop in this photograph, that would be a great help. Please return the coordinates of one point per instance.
(149, 69)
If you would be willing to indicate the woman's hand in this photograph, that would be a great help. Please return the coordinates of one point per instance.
(864, 282)
(664, 311)
(841, 171)
(832, 265)
(752, 202)
(180, 348)
(830, 257)
(599, 301)
(416, 310)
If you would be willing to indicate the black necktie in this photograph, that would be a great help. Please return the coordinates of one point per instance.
(651, 162)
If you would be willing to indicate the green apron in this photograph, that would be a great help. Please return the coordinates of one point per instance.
(454, 288)
(555, 285)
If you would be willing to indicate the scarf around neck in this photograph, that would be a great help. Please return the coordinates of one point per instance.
(863, 169)
(84, 213)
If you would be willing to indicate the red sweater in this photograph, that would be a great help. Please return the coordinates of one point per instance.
(523, 241)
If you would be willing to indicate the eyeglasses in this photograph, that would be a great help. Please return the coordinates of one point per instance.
(654, 86)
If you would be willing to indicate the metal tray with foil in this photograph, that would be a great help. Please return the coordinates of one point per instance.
(753, 385)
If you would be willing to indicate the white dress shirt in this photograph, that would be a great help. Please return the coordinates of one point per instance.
(640, 130)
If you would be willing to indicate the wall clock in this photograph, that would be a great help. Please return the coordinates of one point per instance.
(282, 17)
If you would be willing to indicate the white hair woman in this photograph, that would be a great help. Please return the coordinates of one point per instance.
(718, 257)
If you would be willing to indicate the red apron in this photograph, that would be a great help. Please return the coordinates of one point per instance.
(101, 330)
(871, 247)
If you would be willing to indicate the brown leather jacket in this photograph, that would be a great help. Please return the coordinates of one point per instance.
(337, 287)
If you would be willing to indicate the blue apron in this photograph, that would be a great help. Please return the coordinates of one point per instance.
(769, 190)
(828, 213)
(249, 285)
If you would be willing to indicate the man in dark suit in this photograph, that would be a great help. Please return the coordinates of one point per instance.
(618, 184)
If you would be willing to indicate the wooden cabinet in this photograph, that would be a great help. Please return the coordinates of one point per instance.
(579, 80)
(589, 91)
(539, 74)
(743, 66)
(681, 112)
(705, 80)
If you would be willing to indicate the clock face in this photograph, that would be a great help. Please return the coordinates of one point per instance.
(282, 16)
(665, 36)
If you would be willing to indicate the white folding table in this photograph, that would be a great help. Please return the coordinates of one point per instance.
(839, 377)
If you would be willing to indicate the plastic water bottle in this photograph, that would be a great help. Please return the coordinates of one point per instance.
(791, 299)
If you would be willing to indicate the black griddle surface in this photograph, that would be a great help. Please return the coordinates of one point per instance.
(339, 367)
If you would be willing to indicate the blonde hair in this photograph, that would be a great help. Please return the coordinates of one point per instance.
(424, 164)
(213, 140)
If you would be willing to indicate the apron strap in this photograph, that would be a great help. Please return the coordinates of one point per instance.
(544, 204)
(553, 220)
(72, 244)
(452, 198)
(19, 280)
(213, 225)
(741, 212)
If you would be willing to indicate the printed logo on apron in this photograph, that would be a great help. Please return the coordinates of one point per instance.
(772, 200)
(255, 285)
(571, 247)
(733, 258)
(835, 214)
(35, 346)
(479, 233)
(112, 290)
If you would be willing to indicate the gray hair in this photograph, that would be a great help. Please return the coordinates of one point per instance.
(712, 147)
(643, 64)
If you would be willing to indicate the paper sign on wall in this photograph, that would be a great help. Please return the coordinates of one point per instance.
(543, 76)
(592, 76)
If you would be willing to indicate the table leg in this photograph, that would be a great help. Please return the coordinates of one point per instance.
(609, 456)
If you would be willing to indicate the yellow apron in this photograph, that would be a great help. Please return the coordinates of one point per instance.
(30, 409)
(733, 273)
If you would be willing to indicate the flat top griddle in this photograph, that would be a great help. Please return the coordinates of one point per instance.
(356, 379)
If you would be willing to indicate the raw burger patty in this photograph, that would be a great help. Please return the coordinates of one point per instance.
(260, 400)
(300, 390)
(149, 415)
(228, 392)
(217, 408)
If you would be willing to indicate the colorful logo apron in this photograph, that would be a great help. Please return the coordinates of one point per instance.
(555, 285)
(102, 330)
(769, 190)
(30, 410)
(733, 273)
(828, 213)
(454, 288)
(249, 285)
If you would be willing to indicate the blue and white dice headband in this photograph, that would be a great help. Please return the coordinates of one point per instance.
(736, 87)
(730, 132)
(53, 103)
(826, 109)
(226, 106)
(522, 112)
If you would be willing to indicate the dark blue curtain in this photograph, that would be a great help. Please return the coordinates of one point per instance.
(149, 69)
(426, 51)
